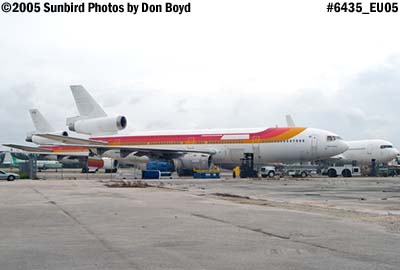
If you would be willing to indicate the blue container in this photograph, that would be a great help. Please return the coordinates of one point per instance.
(206, 175)
(165, 168)
(151, 174)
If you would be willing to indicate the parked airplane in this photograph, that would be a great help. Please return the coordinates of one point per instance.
(13, 160)
(64, 154)
(363, 152)
(225, 148)
(196, 148)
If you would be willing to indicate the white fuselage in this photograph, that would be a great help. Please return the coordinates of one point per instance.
(364, 151)
(308, 145)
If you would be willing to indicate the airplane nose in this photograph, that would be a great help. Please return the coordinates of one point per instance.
(342, 146)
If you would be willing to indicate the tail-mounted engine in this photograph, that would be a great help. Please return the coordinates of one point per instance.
(97, 126)
(33, 138)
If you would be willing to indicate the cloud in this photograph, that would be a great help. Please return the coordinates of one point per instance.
(198, 71)
(14, 115)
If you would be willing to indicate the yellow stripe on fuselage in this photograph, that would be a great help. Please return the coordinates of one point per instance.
(288, 134)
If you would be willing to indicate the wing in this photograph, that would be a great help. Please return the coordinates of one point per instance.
(29, 148)
(151, 152)
(100, 147)
(42, 153)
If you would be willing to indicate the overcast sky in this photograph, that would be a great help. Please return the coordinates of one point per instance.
(226, 64)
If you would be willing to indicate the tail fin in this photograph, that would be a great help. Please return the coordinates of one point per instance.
(289, 121)
(41, 124)
(86, 104)
(2, 156)
(8, 159)
(14, 160)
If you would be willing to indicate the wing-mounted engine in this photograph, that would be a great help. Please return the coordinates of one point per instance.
(190, 161)
(33, 138)
(108, 164)
(97, 126)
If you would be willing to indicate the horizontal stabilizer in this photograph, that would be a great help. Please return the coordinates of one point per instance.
(71, 140)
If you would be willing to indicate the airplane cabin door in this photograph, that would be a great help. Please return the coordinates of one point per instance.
(256, 149)
(190, 143)
(314, 145)
(369, 149)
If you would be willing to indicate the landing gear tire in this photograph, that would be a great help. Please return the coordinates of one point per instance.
(346, 173)
(332, 173)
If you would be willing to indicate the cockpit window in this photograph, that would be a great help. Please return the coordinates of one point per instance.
(386, 146)
(333, 138)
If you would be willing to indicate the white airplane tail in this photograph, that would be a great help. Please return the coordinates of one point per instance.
(92, 119)
(289, 121)
(41, 124)
(86, 104)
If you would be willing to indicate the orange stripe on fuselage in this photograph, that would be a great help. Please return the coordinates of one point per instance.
(268, 135)
(287, 135)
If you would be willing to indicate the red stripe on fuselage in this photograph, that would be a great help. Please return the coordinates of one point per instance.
(265, 134)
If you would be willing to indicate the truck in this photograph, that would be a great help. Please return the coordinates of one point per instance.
(302, 171)
(345, 171)
(267, 171)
